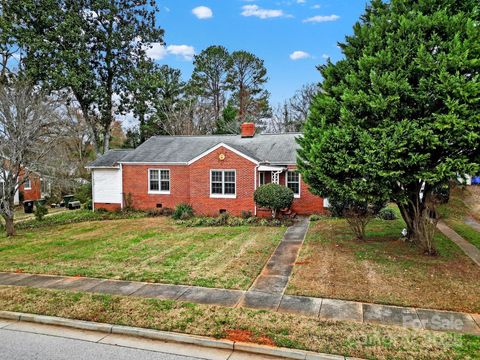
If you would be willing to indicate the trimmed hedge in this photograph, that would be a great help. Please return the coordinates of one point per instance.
(273, 197)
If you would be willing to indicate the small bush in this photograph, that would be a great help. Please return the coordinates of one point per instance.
(167, 211)
(88, 205)
(154, 212)
(183, 211)
(316, 217)
(246, 214)
(160, 212)
(40, 211)
(228, 220)
(387, 214)
(128, 202)
(84, 193)
(274, 197)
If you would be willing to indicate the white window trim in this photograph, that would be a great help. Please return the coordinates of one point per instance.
(223, 196)
(25, 187)
(296, 196)
(160, 192)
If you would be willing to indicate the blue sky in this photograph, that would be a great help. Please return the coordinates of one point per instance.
(292, 36)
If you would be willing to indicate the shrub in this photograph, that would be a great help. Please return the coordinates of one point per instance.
(246, 214)
(84, 193)
(154, 212)
(167, 211)
(387, 214)
(273, 197)
(183, 211)
(316, 217)
(357, 213)
(128, 202)
(40, 211)
(88, 205)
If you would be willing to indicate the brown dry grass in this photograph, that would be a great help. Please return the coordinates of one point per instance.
(348, 339)
(145, 249)
(384, 269)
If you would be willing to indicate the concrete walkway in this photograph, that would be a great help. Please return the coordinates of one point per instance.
(268, 288)
(473, 223)
(470, 250)
(323, 309)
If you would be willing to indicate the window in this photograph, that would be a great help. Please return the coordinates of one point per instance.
(44, 187)
(293, 182)
(261, 178)
(159, 181)
(222, 183)
(27, 185)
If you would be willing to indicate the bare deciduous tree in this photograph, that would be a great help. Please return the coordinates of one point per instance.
(29, 126)
(188, 117)
(292, 114)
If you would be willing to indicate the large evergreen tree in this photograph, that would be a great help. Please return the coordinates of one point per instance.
(209, 77)
(91, 48)
(401, 112)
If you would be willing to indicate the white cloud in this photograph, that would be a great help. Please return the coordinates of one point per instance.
(301, 1)
(325, 56)
(202, 12)
(322, 18)
(316, 6)
(297, 55)
(184, 51)
(255, 10)
(157, 51)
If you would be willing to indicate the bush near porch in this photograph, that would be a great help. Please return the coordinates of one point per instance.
(384, 269)
(140, 248)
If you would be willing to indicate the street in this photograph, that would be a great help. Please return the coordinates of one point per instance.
(29, 341)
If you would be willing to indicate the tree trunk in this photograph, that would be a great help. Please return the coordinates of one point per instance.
(9, 225)
(421, 220)
(141, 118)
(106, 140)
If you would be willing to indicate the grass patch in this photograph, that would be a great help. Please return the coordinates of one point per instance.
(463, 203)
(384, 269)
(343, 338)
(76, 216)
(142, 249)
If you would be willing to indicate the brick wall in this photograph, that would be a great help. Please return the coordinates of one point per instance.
(107, 206)
(135, 182)
(35, 192)
(191, 184)
(200, 183)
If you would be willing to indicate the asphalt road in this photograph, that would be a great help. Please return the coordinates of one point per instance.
(17, 345)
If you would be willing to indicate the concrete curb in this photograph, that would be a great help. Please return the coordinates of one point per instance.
(169, 336)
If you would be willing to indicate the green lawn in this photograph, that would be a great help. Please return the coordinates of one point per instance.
(294, 331)
(384, 268)
(144, 249)
(463, 203)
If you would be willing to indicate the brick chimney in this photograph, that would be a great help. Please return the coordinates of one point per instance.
(248, 130)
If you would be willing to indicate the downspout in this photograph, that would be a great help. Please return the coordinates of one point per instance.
(255, 188)
(93, 191)
(121, 186)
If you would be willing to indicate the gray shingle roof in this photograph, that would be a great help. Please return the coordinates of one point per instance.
(110, 158)
(271, 148)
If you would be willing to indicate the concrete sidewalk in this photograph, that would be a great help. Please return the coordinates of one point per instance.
(323, 309)
(469, 249)
(470, 221)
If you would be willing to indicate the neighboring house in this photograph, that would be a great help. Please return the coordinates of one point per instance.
(34, 188)
(214, 173)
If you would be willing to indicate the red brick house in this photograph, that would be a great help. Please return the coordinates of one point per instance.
(34, 188)
(213, 173)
